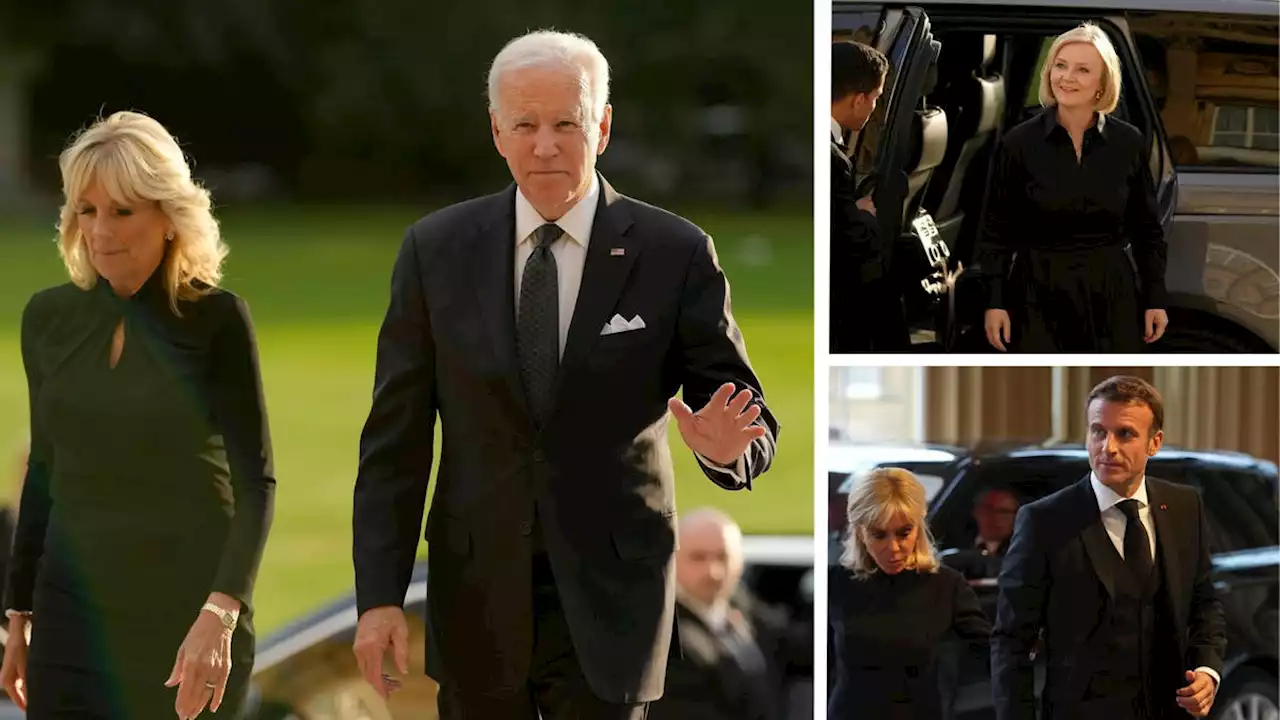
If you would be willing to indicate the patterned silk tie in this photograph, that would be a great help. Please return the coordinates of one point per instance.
(538, 324)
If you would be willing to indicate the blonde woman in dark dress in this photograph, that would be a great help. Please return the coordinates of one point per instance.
(1072, 197)
(891, 603)
(149, 487)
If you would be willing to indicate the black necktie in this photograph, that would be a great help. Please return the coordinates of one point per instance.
(1137, 545)
(538, 325)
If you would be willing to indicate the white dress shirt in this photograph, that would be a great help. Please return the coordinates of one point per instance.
(570, 252)
(837, 132)
(1115, 522)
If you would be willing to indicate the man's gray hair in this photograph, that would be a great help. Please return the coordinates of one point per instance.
(552, 49)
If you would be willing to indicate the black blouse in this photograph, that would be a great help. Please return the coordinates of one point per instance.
(214, 471)
(1042, 197)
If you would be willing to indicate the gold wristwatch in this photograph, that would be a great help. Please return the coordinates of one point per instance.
(228, 618)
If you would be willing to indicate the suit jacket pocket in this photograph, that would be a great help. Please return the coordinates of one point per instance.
(450, 533)
(651, 537)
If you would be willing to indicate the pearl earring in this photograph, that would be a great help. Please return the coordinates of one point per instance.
(168, 237)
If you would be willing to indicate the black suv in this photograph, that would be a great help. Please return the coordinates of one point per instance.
(1239, 494)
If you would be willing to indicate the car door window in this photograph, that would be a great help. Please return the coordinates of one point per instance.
(1240, 504)
(1215, 82)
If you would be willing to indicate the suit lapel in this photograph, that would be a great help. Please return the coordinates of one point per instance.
(1097, 544)
(493, 276)
(610, 257)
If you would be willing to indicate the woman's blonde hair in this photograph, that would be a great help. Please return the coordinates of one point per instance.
(1092, 34)
(137, 160)
(872, 502)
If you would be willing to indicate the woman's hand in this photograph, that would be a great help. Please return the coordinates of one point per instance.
(13, 673)
(203, 664)
(998, 327)
(1156, 321)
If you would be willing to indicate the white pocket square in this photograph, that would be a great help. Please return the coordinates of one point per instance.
(618, 325)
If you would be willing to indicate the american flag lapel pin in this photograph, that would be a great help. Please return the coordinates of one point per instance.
(1163, 506)
(618, 252)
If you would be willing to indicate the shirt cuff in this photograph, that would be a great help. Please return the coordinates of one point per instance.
(1217, 679)
(738, 471)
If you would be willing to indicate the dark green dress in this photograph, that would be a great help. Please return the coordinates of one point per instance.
(149, 486)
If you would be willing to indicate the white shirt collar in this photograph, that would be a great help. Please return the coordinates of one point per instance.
(837, 132)
(576, 223)
(713, 616)
(1108, 498)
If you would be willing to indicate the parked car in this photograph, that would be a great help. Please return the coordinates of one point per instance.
(307, 671)
(1240, 496)
(962, 73)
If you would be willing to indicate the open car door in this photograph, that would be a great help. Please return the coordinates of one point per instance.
(905, 140)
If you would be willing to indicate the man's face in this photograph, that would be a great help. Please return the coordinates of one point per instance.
(1120, 441)
(709, 561)
(541, 126)
(995, 514)
(854, 110)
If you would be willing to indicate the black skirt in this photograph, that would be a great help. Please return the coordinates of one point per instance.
(1078, 300)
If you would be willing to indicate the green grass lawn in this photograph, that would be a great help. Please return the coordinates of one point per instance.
(316, 281)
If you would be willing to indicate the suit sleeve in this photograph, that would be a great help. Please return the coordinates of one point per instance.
(1000, 229)
(854, 255)
(241, 411)
(1146, 234)
(396, 444)
(1206, 623)
(1024, 586)
(713, 352)
(33, 508)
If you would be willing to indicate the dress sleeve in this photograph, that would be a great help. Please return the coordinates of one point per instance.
(241, 414)
(1146, 234)
(33, 509)
(968, 620)
(999, 238)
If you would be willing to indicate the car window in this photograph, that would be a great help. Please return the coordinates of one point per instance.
(1241, 507)
(953, 525)
(1216, 85)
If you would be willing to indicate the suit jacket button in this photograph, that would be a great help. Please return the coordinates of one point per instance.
(526, 527)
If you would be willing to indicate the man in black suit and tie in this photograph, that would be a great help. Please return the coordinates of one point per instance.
(727, 670)
(866, 309)
(1115, 571)
(550, 327)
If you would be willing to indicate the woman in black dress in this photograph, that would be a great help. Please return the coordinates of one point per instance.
(149, 487)
(1071, 191)
(891, 603)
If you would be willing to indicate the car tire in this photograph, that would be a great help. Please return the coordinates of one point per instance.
(1191, 333)
(1248, 694)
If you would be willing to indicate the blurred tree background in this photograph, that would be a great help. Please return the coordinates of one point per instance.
(324, 129)
(385, 100)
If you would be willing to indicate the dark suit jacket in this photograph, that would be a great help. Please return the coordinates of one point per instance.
(1051, 581)
(709, 683)
(599, 472)
(866, 307)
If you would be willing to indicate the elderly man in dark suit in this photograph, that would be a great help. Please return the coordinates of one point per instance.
(1114, 570)
(549, 327)
(730, 667)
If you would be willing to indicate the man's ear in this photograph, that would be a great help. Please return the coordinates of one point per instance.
(1157, 441)
(605, 127)
(493, 128)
